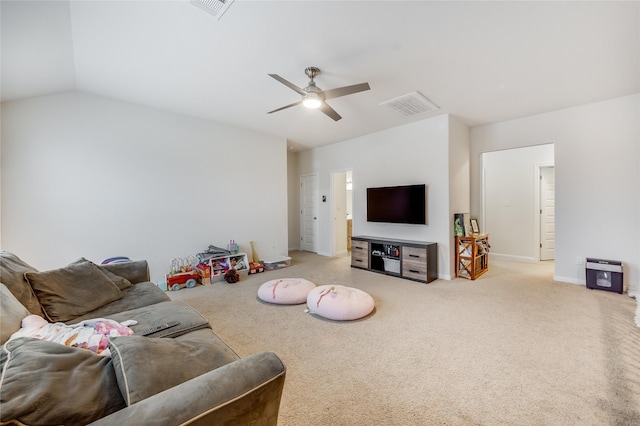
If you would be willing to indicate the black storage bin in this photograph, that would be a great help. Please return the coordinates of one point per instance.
(604, 274)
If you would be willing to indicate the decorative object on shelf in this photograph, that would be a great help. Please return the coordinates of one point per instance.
(458, 225)
(474, 226)
(231, 276)
(233, 247)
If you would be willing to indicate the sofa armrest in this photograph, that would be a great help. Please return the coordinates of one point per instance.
(136, 271)
(246, 391)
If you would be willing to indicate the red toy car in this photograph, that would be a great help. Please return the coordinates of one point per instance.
(182, 279)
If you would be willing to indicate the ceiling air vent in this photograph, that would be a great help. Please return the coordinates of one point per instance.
(413, 103)
(212, 7)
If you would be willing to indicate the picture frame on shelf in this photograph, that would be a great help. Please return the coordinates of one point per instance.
(474, 226)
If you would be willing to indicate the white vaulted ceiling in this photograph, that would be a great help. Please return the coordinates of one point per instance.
(480, 61)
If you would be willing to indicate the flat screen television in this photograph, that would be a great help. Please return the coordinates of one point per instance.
(398, 204)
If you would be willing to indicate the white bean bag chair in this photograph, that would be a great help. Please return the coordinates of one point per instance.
(285, 291)
(340, 303)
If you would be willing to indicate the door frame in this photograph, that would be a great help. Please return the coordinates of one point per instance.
(332, 198)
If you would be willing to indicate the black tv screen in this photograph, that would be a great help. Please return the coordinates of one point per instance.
(397, 204)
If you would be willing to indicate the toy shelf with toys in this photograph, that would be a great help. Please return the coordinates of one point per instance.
(188, 272)
(220, 265)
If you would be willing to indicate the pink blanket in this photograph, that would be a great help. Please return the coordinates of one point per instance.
(90, 334)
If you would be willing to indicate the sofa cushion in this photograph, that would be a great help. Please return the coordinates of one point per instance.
(149, 316)
(48, 383)
(12, 270)
(119, 281)
(74, 290)
(136, 271)
(137, 296)
(12, 314)
(146, 366)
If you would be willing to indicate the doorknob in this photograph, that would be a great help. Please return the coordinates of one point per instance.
(314, 218)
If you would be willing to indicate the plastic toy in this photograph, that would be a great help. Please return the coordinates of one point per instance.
(255, 267)
(205, 273)
(231, 276)
(182, 279)
(182, 273)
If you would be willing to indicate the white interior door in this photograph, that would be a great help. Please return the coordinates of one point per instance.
(308, 212)
(547, 213)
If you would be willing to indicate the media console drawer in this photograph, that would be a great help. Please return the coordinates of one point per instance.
(414, 263)
(360, 254)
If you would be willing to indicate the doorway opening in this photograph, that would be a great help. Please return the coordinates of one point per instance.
(518, 203)
(341, 211)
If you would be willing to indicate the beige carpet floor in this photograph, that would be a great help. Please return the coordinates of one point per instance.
(511, 348)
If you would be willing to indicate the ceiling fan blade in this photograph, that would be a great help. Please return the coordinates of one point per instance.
(285, 107)
(288, 84)
(324, 107)
(347, 90)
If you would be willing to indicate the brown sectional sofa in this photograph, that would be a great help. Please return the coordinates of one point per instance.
(181, 375)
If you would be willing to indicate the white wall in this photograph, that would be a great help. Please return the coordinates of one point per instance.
(339, 205)
(511, 200)
(411, 154)
(88, 176)
(459, 178)
(597, 182)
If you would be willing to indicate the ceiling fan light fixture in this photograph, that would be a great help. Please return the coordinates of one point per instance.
(312, 100)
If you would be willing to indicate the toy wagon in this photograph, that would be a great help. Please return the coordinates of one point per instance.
(182, 279)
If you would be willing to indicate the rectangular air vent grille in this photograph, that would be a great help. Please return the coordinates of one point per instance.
(212, 7)
(413, 103)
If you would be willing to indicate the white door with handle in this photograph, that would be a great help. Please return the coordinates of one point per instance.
(308, 212)
(547, 213)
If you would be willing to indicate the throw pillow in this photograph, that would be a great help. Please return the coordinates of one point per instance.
(121, 282)
(12, 314)
(146, 366)
(48, 383)
(74, 290)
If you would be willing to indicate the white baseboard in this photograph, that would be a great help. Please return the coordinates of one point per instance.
(569, 280)
(511, 258)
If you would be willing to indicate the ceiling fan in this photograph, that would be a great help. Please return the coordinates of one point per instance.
(314, 97)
